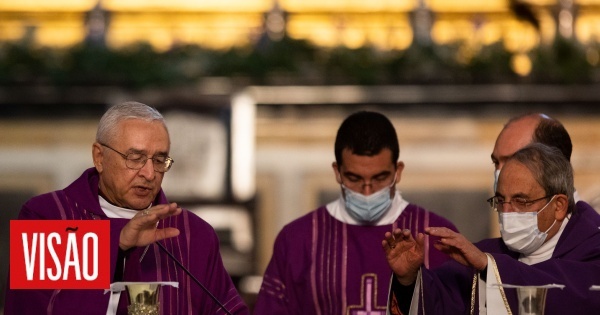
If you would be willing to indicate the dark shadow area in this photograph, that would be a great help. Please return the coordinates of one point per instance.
(10, 204)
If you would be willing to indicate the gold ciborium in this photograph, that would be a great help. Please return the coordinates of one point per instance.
(143, 298)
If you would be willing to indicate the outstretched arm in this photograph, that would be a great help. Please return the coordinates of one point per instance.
(458, 247)
(443, 290)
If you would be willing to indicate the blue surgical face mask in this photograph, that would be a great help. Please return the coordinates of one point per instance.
(368, 209)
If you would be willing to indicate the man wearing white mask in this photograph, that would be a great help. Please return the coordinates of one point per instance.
(546, 239)
(328, 261)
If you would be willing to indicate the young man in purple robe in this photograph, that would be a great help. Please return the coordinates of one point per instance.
(546, 239)
(328, 261)
(131, 156)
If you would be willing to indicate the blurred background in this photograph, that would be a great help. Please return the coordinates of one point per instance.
(253, 92)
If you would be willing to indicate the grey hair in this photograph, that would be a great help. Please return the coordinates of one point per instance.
(127, 110)
(550, 168)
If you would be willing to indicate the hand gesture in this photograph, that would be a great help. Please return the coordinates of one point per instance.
(404, 254)
(458, 247)
(142, 229)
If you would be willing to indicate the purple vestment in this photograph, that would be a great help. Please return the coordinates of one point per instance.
(197, 247)
(321, 265)
(575, 263)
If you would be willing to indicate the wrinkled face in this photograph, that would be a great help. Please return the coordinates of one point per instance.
(513, 138)
(517, 181)
(120, 185)
(368, 174)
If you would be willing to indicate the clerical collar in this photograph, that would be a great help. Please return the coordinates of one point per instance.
(576, 197)
(337, 209)
(113, 211)
(547, 249)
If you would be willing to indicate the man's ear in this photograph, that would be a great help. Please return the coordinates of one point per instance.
(562, 207)
(336, 171)
(399, 169)
(97, 156)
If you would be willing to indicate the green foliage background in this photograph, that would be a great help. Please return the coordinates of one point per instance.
(288, 61)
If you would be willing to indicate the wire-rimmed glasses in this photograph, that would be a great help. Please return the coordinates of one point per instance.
(135, 161)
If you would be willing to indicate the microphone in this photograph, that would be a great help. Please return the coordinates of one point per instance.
(193, 278)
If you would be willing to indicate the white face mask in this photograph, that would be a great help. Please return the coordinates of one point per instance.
(496, 175)
(520, 231)
(368, 209)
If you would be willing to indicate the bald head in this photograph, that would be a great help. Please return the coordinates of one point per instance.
(516, 134)
(523, 130)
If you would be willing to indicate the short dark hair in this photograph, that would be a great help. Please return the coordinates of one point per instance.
(552, 133)
(550, 168)
(366, 133)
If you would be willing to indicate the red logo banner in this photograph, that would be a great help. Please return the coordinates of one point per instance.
(59, 254)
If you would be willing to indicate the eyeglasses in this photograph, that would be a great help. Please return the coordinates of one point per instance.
(136, 161)
(518, 204)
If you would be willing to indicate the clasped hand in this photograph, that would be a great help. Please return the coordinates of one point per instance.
(405, 254)
(143, 229)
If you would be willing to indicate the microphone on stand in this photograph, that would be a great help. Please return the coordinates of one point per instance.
(212, 296)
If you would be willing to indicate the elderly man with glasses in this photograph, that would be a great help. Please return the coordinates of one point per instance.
(546, 239)
(131, 157)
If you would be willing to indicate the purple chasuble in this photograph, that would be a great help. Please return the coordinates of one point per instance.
(575, 263)
(197, 247)
(323, 266)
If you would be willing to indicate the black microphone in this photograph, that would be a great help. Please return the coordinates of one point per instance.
(194, 278)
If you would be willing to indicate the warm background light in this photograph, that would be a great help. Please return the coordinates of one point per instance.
(222, 24)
